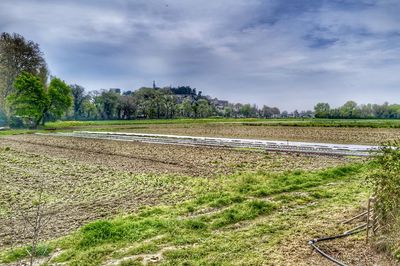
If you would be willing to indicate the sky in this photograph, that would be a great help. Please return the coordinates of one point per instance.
(286, 53)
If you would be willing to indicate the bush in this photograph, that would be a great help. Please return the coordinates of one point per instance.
(3, 118)
(16, 122)
(386, 184)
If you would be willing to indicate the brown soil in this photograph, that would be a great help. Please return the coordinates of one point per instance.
(139, 157)
(373, 136)
(88, 179)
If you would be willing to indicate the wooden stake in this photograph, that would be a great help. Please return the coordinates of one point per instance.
(368, 215)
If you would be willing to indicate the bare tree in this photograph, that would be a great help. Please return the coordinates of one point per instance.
(29, 220)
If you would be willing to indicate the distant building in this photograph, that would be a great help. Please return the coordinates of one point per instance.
(219, 104)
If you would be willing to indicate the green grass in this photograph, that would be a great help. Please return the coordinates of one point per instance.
(229, 220)
(369, 123)
(69, 124)
(16, 132)
(17, 254)
(293, 122)
(373, 123)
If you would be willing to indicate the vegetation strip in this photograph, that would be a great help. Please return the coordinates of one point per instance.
(301, 147)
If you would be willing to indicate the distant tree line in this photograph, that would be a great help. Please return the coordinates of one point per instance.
(352, 110)
(157, 103)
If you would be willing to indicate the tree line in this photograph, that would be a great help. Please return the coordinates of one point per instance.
(156, 103)
(353, 110)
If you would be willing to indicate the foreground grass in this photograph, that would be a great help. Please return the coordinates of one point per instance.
(239, 219)
(9, 132)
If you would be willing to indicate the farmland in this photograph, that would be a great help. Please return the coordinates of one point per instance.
(128, 203)
(373, 136)
(305, 122)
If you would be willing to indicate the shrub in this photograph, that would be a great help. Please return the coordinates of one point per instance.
(386, 184)
(16, 122)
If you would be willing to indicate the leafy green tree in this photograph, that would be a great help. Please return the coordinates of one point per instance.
(322, 110)
(170, 104)
(127, 107)
(348, 109)
(187, 109)
(365, 111)
(78, 93)
(266, 111)
(89, 110)
(29, 99)
(107, 103)
(203, 108)
(32, 101)
(394, 111)
(60, 96)
(246, 110)
(228, 111)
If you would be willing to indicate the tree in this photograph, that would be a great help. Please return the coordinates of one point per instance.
(348, 109)
(246, 110)
(107, 103)
(187, 107)
(89, 109)
(322, 110)
(126, 107)
(285, 114)
(29, 99)
(18, 55)
(170, 104)
(32, 101)
(203, 108)
(275, 111)
(228, 111)
(78, 93)
(60, 96)
(266, 111)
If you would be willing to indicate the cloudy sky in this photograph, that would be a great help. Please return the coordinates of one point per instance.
(285, 53)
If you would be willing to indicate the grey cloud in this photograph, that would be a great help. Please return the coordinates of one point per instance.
(285, 53)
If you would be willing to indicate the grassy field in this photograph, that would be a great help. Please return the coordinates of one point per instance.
(128, 203)
(374, 136)
(359, 131)
(306, 122)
